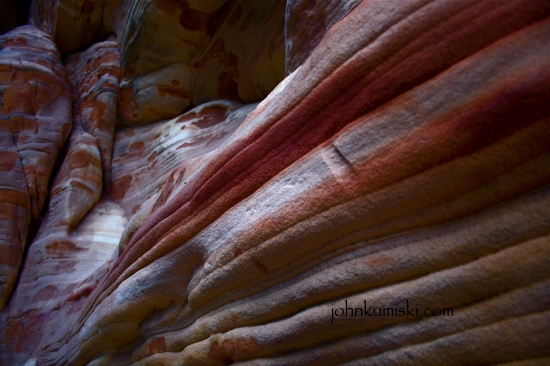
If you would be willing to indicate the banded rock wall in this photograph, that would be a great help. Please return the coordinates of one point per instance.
(402, 162)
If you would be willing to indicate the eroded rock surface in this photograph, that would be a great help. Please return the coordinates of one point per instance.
(307, 22)
(35, 121)
(146, 156)
(402, 164)
(95, 79)
(218, 50)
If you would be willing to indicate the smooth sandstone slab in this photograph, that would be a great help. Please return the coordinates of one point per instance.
(35, 115)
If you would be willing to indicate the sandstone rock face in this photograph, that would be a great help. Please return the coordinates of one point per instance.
(306, 23)
(146, 156)
(36, 120)
(95, 79)
(217, 50)
(387, 203)
(80, 232)
(74, 24)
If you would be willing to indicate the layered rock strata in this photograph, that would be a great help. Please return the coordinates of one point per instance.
(35, 121)
(146, 156)
(95, 77)
(402, 164)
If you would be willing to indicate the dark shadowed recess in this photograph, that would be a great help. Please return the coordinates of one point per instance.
(13, 13)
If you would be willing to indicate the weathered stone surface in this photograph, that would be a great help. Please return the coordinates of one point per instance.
(176, 54)
(146, 156)
(64, 264)
(77, 186)
(94, 77)
(80, 233)
(75, 24)
(43, 15)
(403, 165)
(35, 115)
(306, 23)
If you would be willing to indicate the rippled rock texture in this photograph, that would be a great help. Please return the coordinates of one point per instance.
(35, 121)
(402, 163)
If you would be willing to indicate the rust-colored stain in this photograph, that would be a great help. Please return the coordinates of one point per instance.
(152, 138)
(10, 256)
(8, 160)
(14, 334)
(211, 116)
(81, 159)
(65, 266)
(136, 209)
(17, 198)
(180, 175)
(84, 292)
(157, 346)
(55, 191)
(112, 86)
(17, 42)
(106, 58)
(44, 97)
(6, 74)
(81, 186)
(60, 248)
(260, 266)
(220, 353)
(186, 118)
(378, 260)
(19, 124)
(127, 106)
(224, 353)
(99, 112)
(127, 72)
(196, 20)
(167, 92)
(165, 193)
(46, 293)
(17, 99)
(227, 80)
(88, 102)
(120, 186)
(135, 151)
(4, 126)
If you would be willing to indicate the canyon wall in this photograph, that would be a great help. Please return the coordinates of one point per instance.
(309, 182)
